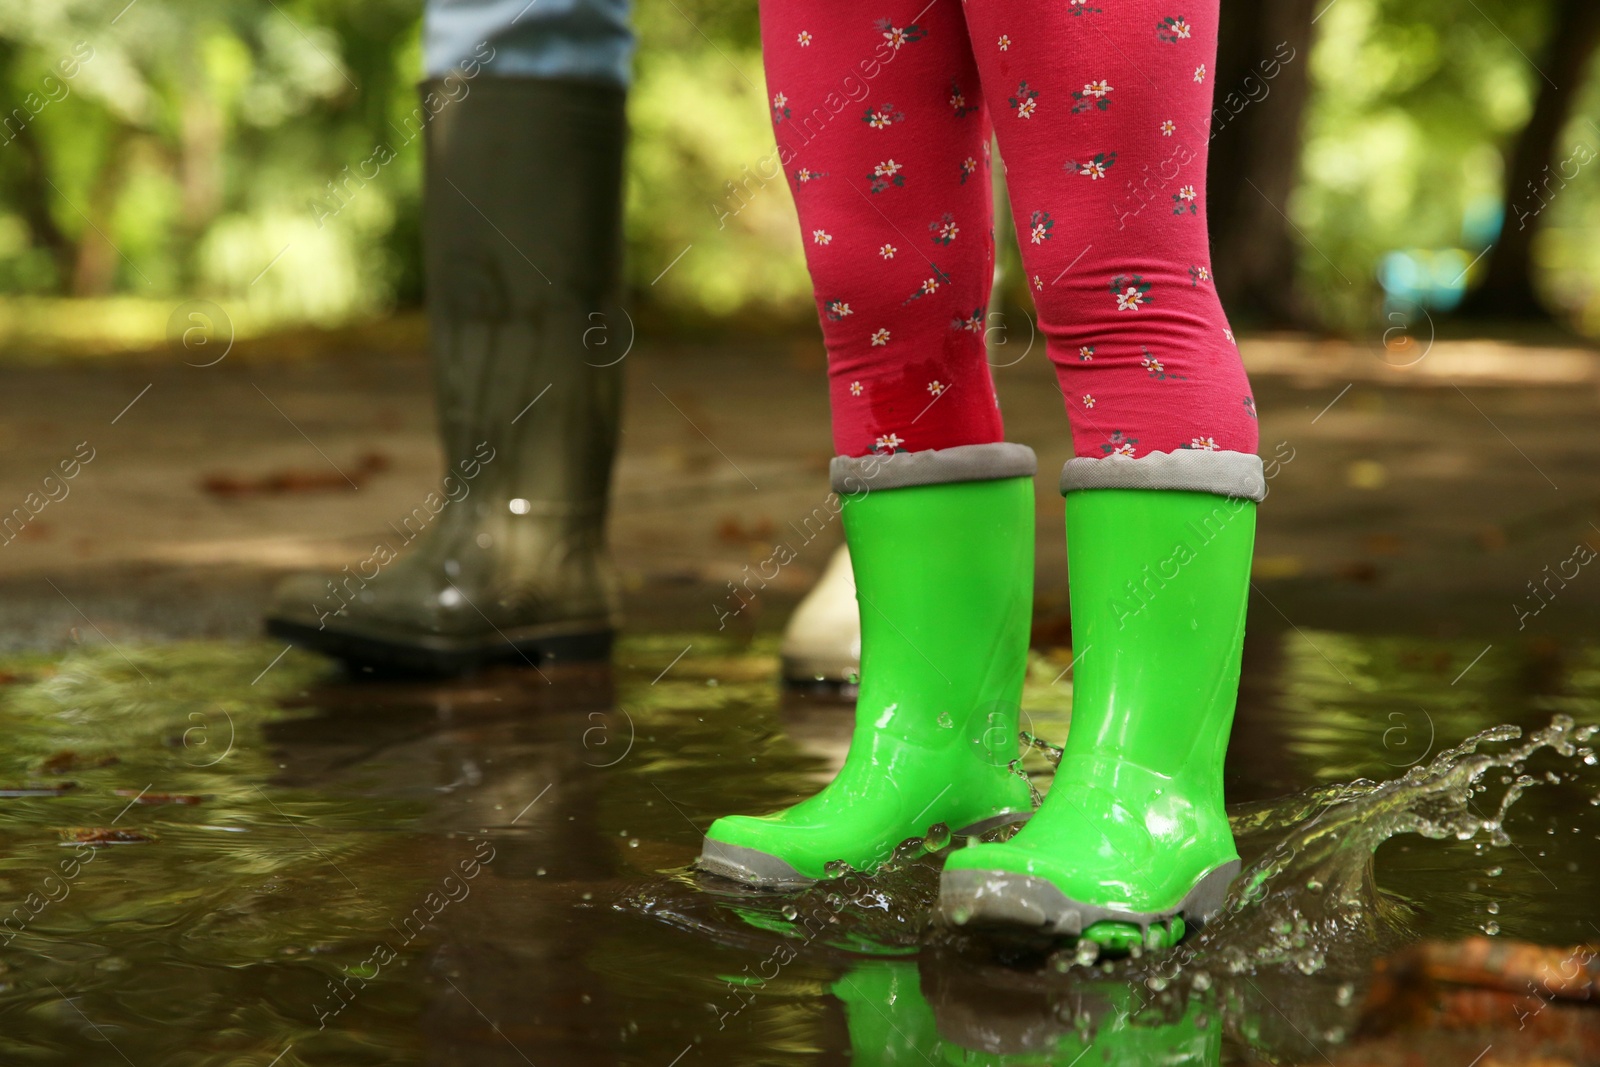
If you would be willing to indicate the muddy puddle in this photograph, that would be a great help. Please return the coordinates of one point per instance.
(210, 856)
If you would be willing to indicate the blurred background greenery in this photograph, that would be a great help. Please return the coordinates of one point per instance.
(162, 150)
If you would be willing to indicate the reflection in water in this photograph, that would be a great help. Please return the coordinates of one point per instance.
(900, 1013)
(493, 871)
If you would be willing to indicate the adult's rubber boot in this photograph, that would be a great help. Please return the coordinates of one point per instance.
(1132, 840)
(506, 560)
(942, 546)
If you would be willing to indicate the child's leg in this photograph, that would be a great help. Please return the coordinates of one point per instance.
(1103, 131)
(1102, 108)
(882, 136)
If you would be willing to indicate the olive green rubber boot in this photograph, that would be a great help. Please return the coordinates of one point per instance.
(1132, 840)
(942, 545)
(505, 560)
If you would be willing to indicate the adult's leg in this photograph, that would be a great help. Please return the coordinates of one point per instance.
(523, 122)
(880, 131)
(1104, 135)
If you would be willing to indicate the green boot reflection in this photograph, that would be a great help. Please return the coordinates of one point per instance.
(993, 1017)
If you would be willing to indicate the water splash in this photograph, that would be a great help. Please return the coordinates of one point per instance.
(1310, 896)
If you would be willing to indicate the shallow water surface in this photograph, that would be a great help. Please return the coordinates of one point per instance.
(289, 868)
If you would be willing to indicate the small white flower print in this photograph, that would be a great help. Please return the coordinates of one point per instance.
(946, 232)
(1026, 108)
(1039, 234)
(1200, 73)
(936, 387)
(1124, 449)
(1206, 444)
(900, 35)
(838, 309)
(1037, 284)
(880, 337)
(1088, 401)
(821, 237)
(1095, 169)
(1229, 335)
(888, 442)
(883, 116)
(930, 286)
(1186, 194)
(887, 251)
(887, 169)
(855, 388)
(804, 38)
(1168, 128)
(1005, 41)
(1131, 291)
(1151, 364)
(1173, 28)
(1086, 353)
(1092, 95)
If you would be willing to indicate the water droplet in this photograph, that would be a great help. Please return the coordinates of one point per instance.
(633, 842)
(1086, 953)
(1200, 981)
(790, 912)
(1314, 886)
(945, 721)
(938, 837)
(1491, 928)
(1495, 872)
(540, 872)
(1344, 994)
(1493, 908)
(961, 916)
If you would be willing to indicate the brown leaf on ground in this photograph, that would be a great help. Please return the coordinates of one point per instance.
(296, 479)
(1486, 983)
(68, 760)
(37, 789)
(106, 836)
(160, 798)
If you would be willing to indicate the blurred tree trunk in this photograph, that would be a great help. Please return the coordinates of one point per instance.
(30, 192)
(95, 269)
(1262, 82)
(1507, 288)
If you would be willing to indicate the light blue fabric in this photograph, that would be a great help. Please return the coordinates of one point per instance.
(590, 40)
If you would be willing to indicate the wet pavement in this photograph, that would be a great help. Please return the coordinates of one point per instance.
(1417, 491)
(215, 852)
(495, 870)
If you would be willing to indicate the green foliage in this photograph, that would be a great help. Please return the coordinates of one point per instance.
(207, 148)
(1414, 106)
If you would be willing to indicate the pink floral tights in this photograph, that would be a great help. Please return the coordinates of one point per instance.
(1101, 108)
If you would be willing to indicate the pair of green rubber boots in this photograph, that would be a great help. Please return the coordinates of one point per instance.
(1132, 840)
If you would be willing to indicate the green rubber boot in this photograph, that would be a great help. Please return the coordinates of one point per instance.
(1133, 840)
(942, 545)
